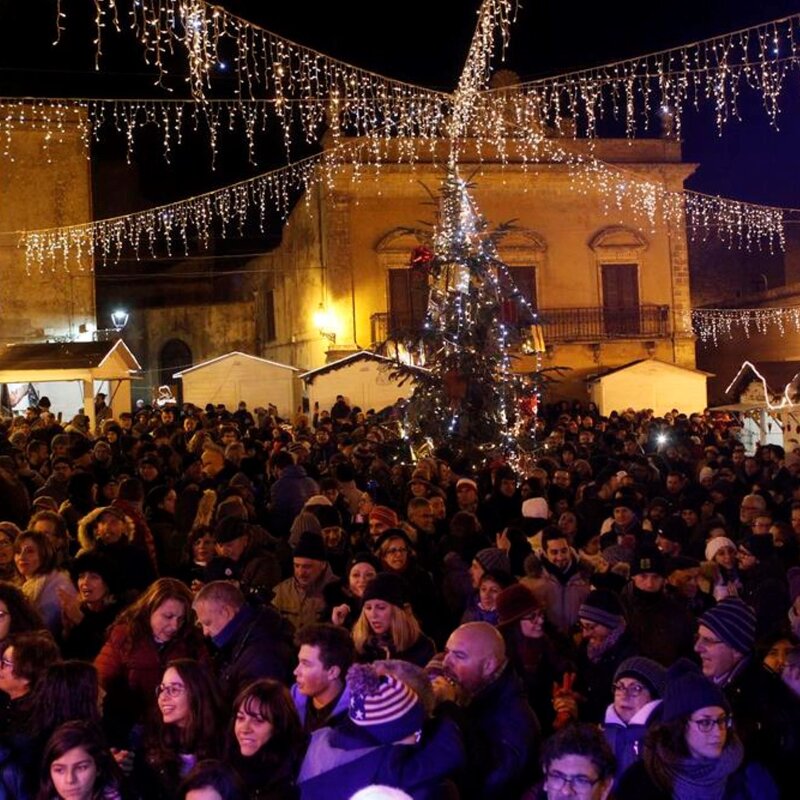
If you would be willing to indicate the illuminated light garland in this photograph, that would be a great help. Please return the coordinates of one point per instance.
(712, 324)
(715, 69)
(172, 225)
(404, 118)
(785, 401)
(495, 17)
(738, 223)
(262, 63)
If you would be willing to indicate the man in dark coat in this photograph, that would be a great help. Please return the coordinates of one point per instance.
(250, 643)
(501, 731)
(289, 492)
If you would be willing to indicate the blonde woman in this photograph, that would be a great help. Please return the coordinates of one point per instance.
(387, 628)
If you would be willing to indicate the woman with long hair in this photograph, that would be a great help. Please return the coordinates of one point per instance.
(185, 728)
(78, 765)
(387, 628)
(44, 584)
(266, 744)
(693, 753)
(211, 780)
(154, 630)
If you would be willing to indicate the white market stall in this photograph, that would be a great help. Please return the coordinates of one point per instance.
(765, 398)
(650, 383)
(70, 374)
(363, 378)
(236, 376)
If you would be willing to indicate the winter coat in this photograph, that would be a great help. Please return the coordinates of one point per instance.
(337, 594)
(561, 594)
(765, 590)
(419, 653)
(256, 643)
(660, 628)
(142, 536)
(287, 498)
(130, 671)
(85, 640)
(627, 739)
(341, 760)
(502, 736)
(11, 775)
(302, 606)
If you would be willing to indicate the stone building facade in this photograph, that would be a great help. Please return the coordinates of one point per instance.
(44, 182)
(610, 288)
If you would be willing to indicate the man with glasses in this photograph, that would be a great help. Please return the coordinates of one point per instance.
(577, 762)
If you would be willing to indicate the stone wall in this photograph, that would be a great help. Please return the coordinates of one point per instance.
(43, 187)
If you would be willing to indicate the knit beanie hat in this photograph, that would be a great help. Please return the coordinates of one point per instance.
(688, 690)
(493, 558)
(384, 515)
(674, 529)
(648, 672)
(535, 508)
(317, 500)
(648, 558)
(515, 602)
(328, 516)
(310, 545)
(734, 622)
(381, 706)
(387, 587)
(759, 545)
(100, 564)
(362, 557)
(603, 607)
(716, 544)
(677, 563)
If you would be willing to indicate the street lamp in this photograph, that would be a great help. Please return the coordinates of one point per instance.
(325, 322)
(119, 319)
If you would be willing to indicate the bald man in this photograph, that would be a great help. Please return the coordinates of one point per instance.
(500, 729)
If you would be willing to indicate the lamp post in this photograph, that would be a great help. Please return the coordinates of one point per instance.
(119, 319)
(324, 321)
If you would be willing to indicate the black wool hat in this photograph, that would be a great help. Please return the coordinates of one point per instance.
(230, 528)
(648, 672)
(393, 533)
(688, 690)
(328, 516)
(603, 607)
(387, 587)
(674, 529)
(648, 558)
(310, 545)
(98, 563)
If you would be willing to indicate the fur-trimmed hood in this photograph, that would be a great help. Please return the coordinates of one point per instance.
(87, 525)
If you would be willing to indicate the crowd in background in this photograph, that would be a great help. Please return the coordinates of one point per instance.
(213, 603)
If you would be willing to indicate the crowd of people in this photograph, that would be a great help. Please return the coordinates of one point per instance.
(217, 605)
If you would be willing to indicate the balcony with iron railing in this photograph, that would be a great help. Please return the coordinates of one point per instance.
(559, 325)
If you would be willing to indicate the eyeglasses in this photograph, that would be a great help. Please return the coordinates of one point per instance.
(588, 627)
(634, 690)
(6, 543)
(395, 551)
(707, 724)
(170, 690)
(6, 663)
(580, 784)
(706, 642)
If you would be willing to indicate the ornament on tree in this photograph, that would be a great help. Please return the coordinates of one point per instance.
(421, 259)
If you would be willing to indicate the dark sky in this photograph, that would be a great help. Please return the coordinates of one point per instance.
(425, 41)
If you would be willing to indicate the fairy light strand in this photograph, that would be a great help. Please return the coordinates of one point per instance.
(713, 324)
(713, 70)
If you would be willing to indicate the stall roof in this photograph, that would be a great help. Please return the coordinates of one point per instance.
(361, 355)
(231, 355)
(596, 376)
(66, 361)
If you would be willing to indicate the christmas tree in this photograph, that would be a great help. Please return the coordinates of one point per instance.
(467, 394)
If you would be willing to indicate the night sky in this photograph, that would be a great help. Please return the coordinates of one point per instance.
(425, 42)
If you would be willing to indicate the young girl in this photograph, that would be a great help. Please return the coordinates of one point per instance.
(77, 765)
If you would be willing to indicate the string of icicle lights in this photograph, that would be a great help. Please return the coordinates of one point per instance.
(713, 70)
(713, 324)
(174, 225)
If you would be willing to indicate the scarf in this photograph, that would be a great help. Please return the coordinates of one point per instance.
(701, 778)
(34, 586)
(595, 652)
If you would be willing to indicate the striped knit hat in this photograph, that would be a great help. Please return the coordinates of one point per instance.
(603, 607)
(385, 515)
(381, 706)
(734, 622)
